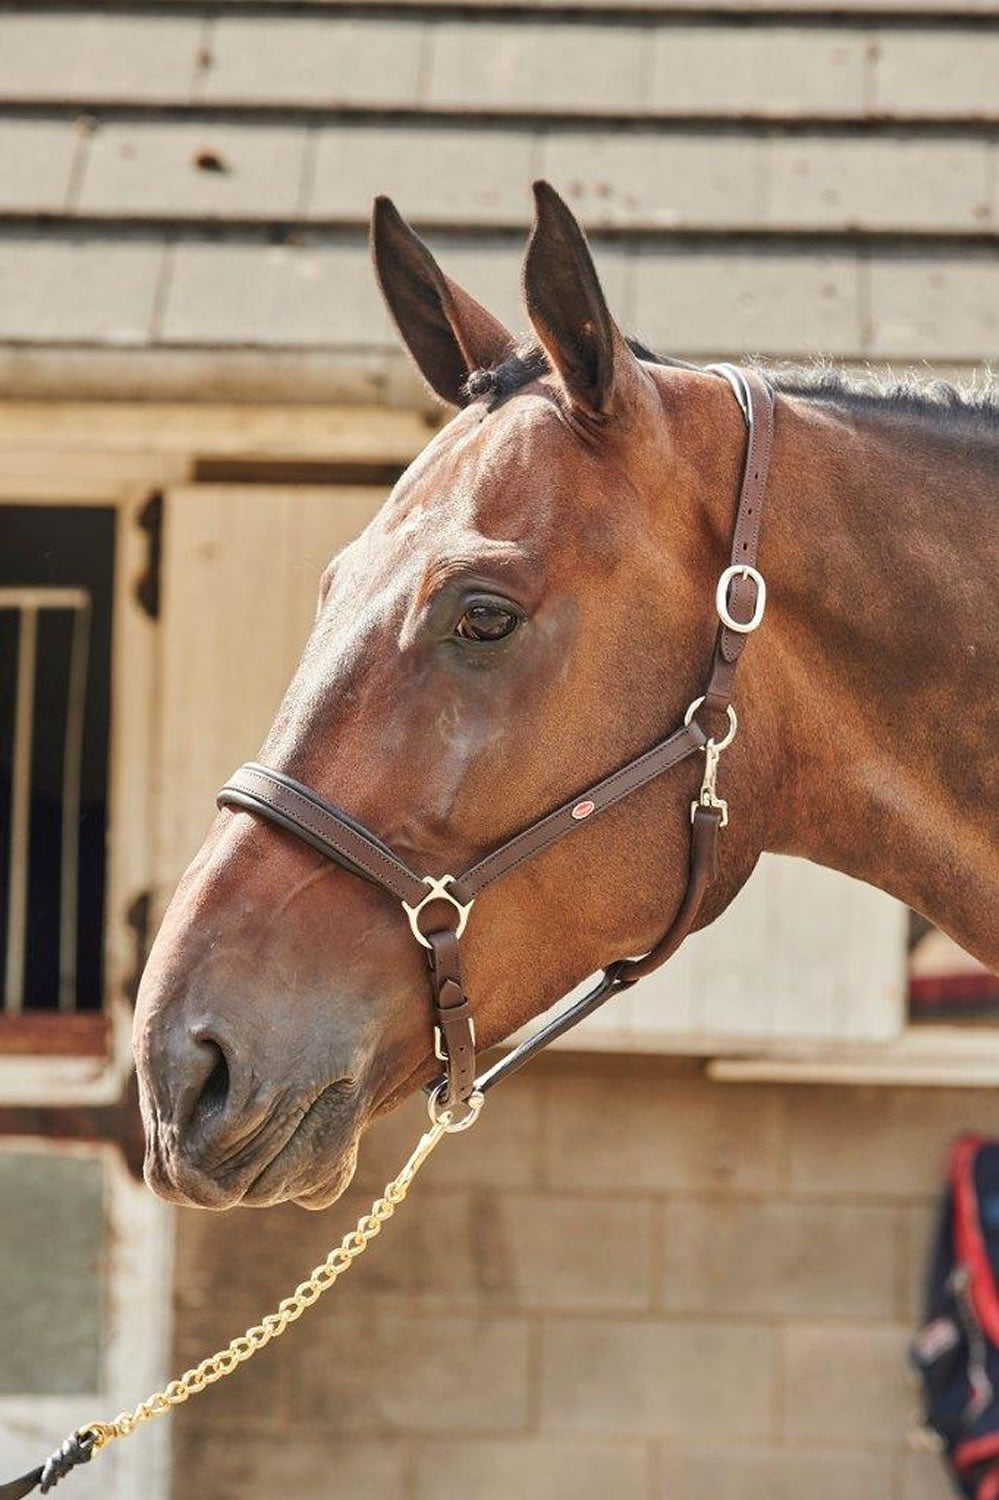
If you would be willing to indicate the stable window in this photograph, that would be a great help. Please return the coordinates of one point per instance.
(55, 664)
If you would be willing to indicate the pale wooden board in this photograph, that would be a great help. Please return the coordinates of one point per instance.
(801, 954)
(129, 437)
(241, 567)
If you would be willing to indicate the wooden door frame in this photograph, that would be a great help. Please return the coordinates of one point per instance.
(85, 1059)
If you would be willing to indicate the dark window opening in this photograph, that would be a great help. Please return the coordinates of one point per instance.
(56, 573)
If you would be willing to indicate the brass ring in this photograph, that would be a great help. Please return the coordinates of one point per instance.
(733, 724)
(438, 892)
(473, 1104)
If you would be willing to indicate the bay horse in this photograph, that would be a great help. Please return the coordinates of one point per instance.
(531, 607)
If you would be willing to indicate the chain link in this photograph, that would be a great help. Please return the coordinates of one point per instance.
(273, 1325)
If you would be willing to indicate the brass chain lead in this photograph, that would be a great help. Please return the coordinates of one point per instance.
(217, 1366)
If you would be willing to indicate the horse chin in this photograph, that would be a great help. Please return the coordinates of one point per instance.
(312, 1165)
(314, 1187)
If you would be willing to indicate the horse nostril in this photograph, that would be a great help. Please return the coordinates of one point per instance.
(202, 1105)
(215, 1090)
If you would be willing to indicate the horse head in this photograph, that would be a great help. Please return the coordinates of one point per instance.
(532, 606)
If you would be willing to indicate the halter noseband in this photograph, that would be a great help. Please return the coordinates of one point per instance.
(740, 600)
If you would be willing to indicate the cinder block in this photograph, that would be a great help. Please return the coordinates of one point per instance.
(925, 1478)
(51, 1274)
(232, 1267)
(663, 182)
(744, 300)
(503, 1151)
(661, 1131)
(388, 1373)
(937, 73)
(531, 1470)
(775, 1474)
(259, 1395)
(775, 71)
(523, 67)
(818, 183)
(779, 1259)
(498, 1250)
(186, 171)
(91, 59)
(36, 164)
(941, 307)
(435, 173)
(95, 291)
(301, 295)
(657, 1379)
(847, 1385)
(243, 1466)
(314, 60)
(880, 1143)
(919, 1227)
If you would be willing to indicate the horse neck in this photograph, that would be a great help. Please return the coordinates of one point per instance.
(881, 546)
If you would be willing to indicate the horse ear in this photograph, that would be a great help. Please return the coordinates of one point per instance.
(446, 331)
(567, 307)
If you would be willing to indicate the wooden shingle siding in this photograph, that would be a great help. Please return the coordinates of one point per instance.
(37, 168)
(947, 10)
(94, 58)
(623, 65)
(707, 301)
(777, 180)
(645, 182)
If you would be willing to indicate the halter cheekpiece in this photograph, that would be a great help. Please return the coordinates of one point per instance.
(438, 907)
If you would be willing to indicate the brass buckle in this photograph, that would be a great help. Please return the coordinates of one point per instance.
(741, 570)
(438, 892)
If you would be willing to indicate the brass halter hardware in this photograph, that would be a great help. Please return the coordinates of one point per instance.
(708, 795)
(741, 570)
(438, 892)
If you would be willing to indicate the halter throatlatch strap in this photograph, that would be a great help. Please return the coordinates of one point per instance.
(438, 907)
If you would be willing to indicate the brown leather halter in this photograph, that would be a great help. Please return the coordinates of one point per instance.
(740, 600)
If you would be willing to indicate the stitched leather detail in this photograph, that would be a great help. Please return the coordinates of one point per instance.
(604, 794)
(307, 811)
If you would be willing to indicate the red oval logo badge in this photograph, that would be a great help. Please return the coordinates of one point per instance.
(582, 810)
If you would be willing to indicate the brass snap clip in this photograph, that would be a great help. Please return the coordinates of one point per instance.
(708, 795)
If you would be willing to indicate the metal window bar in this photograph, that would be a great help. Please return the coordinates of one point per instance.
(29, 603)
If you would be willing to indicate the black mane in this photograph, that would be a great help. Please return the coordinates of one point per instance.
(946, 407)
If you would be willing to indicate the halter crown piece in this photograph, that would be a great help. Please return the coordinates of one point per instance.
(438, 907)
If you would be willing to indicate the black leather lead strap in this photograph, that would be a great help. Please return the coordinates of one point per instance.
(75, 1450)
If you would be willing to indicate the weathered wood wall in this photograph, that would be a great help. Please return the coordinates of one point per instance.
(184, 191)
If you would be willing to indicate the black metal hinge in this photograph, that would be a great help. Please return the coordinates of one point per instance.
(147, 585)
(137, 916)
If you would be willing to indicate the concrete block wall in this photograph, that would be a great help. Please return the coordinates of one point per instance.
(625, 1280)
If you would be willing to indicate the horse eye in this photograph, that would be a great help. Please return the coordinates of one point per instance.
(487, 621)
